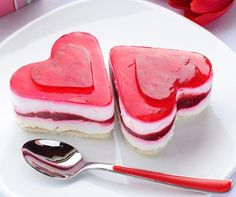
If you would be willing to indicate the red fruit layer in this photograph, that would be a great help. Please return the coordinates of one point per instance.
(58, 116)
(137, 102)
(23, 85)
(152, 136)
(191, 101)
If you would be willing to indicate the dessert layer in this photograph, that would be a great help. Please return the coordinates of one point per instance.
(56, 116)
(204, 88)
(144, 128)
(190, 101)
(68, 70)
(147, 147)
(97, 113)
(154, 136)
(185, 112)
(90, 128)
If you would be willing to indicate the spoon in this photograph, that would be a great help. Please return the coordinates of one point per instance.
(60, 160)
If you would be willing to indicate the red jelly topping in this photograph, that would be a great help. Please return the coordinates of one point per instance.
(75, 73)
(68, 70)
(165, 75)
(147, 79)
(56, 116)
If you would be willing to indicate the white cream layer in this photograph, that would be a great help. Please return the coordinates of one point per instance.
(196, 91)
(90, 128)
(141, 127)
(150, 147)
(97, 113)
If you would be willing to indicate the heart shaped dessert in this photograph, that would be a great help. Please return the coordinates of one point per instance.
(154, 85)
(69, 92)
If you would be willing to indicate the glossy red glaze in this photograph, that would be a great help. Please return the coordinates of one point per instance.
(166, 75)
(135, 68)
(70, 68)
(63, 49)
(208, 185)
(56, 116)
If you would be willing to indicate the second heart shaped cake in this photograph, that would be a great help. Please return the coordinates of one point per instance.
(154, 85)
(67, 93)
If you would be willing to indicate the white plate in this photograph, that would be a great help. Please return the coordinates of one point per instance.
(202, 146)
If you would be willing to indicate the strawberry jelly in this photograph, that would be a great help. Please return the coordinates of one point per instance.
(94, 89)
(70, 70)
(56, 116)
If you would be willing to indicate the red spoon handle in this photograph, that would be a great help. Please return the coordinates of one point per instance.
(206, 185)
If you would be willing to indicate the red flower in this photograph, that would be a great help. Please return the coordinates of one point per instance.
(202, 11)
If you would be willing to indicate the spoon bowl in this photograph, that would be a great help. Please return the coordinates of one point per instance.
(60, 160)
(53, 158)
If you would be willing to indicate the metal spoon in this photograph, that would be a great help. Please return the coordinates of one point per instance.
(60, 160)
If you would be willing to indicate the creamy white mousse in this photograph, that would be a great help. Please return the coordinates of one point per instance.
(97, 113)
(100, 118)
(143, 128)
(144, 146)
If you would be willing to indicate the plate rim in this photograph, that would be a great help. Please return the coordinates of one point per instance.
(143, 2)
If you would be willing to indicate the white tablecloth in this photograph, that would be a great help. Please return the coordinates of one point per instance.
(224, 28)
